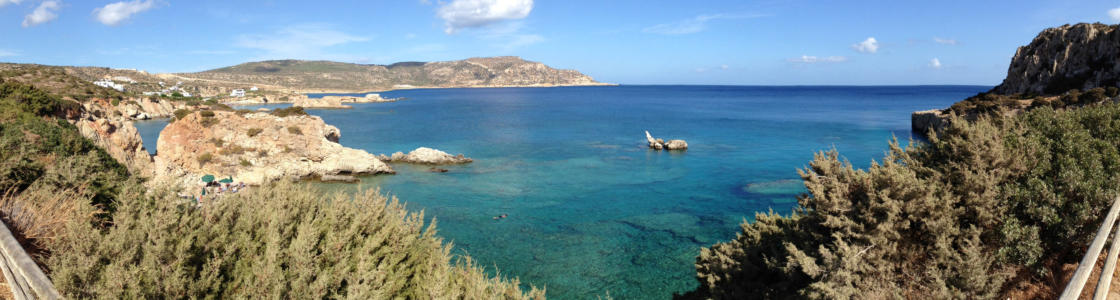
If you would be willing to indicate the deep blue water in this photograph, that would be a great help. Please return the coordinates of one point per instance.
(591, 210)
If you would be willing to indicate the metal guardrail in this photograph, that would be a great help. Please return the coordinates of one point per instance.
(23, 276)
(1089, 261)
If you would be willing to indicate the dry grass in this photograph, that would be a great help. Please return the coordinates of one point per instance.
(37, 217)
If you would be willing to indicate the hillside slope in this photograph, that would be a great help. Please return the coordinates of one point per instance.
(302, 75)
(1081, 56)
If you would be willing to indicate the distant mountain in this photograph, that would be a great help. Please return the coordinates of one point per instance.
(506, 71)
(1081, 56)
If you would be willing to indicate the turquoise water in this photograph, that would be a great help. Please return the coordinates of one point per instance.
(591, 210)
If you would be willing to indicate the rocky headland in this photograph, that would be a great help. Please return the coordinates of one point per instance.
(257, 148)
(328, 76)
(121, 140)
(1069, 65)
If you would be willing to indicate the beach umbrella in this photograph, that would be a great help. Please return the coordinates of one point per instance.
(226, 180)
(207, 178)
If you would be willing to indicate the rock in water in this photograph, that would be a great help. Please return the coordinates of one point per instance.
(288, 147)
(425, 155)
(659, 144)
(676, 145)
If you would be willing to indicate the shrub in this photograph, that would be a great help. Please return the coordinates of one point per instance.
(272, 241)
(245, 163)
(254, 131)
(206, 114)
(205, 158)
(290, 111)
(181, 113)
(217, 142)
(115, 102)
(232, 149)
(982, 204)
(242, 112)
(262, 153)
(207, 122)
(294, 130)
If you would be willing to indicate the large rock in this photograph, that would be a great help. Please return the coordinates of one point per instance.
(659, 144)
(121, 140)
(258, 147)
(1080, 56)
(425, 155)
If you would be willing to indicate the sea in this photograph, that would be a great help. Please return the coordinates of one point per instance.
(591, 210)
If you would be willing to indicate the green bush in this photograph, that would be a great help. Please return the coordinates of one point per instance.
(205, 158)
(254, 131)
(217, 142)
(115, 102)
(294, 130)
(955, 218)
(290, 111)
(245, 163)
(181, 113)
(207, 122)
(271, 242)
(206, 114)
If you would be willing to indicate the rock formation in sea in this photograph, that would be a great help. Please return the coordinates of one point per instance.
(660, 144)
(425, 155)
(337, 101)
(259, 147)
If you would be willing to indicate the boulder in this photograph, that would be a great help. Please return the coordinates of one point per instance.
(425, 155)
(660, 144)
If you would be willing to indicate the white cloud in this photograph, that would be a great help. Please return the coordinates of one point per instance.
(935, 63)
(6, 2)
(42, 14)
(5, 53)
(308, 41)
(870, 45)
(693, 25)
(809, 59)
(1114, 14)
(115, 13)
(461, 14)
(944, 41)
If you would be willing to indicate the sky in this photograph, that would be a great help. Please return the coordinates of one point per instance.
(738, 42)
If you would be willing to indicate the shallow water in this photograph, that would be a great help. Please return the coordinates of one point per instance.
(591, 210)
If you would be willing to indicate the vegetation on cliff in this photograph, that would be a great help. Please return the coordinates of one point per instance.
(983, 205)
(99, 233)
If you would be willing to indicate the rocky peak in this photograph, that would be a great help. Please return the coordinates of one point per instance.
(1080, 56)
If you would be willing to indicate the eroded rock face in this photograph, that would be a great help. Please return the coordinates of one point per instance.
(324, 102)
(923, 121)
(121, 140)
(258, 147)
(132, 109)
(1081, 56)
(425, 155)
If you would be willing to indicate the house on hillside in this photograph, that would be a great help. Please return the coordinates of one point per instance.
(237, 93)
(253, 89)
(109, 84)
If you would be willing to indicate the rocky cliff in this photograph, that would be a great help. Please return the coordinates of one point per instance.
(121, 140)
(1059, 59)
(259, 147)
(504, 71)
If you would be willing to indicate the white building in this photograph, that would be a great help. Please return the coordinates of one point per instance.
(237, 93)
(253, 89)
(124, 79)
(185, 93)
(109, 84)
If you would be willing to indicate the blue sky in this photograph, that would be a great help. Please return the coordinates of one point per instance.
(619, 41)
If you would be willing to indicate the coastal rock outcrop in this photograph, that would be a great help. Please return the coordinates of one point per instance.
(257, 148)
(121, 140)
(132, 109)
(659, 144)
(922, 121)
(324, 102)
(425, 155)
(1059, 59)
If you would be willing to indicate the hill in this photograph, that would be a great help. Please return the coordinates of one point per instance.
(321, 76)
